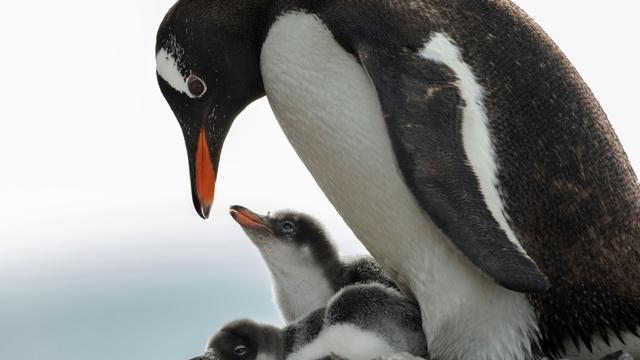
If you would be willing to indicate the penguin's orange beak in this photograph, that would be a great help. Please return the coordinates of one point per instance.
(248, 219)
(205, 123)
(205, 176)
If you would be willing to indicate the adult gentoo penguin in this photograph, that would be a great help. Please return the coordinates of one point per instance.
(361, 322)
(454, 138)
(304, 264)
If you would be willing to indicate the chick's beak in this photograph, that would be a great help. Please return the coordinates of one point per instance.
(248, 219)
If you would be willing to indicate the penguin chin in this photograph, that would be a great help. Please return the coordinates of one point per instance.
(261, 237)
(284, 256)
(274, 248)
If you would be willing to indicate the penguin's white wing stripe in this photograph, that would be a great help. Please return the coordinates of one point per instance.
(476, 136)
(431, 108)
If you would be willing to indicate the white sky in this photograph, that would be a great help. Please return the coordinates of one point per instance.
(93, 172)
(88, 146)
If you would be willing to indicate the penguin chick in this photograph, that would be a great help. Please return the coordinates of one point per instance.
(361, 322)
(244, 339)
(304, 264)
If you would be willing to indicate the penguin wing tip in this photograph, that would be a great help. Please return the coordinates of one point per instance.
(525, 277)
(539, 283)
(527, 285)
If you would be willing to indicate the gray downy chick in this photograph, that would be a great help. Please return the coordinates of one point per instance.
(361, 322)
(304, 264)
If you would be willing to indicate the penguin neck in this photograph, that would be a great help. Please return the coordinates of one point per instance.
(252, 19)
(271, 343)
(302, 280)
(258, 15)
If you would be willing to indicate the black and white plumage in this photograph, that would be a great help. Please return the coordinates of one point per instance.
(457, 142)
(304, 264)
(361, 322)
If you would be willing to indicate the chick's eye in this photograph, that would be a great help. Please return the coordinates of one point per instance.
(196, 86)
(288, 226)
(241, 350)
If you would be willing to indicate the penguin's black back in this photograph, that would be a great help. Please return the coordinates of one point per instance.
(568, 187)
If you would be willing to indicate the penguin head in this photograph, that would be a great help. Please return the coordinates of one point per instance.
(208, 69)
(286, 235)
(243, 340)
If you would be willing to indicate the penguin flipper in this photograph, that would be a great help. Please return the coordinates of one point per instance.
(423, 110)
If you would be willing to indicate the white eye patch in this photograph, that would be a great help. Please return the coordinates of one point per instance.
(169, 70)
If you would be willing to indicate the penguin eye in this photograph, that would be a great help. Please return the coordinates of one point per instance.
(196, 86)
(288, 227)
(241, 350)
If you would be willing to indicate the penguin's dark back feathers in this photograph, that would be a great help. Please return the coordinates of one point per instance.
(570, 192)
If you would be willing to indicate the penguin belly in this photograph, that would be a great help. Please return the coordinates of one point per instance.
(328, 109)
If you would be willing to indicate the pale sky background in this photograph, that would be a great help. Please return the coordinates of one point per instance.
(101, 253)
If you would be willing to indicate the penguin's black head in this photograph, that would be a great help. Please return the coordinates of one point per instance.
(208, 69)
(290, 228)
(243, 340)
